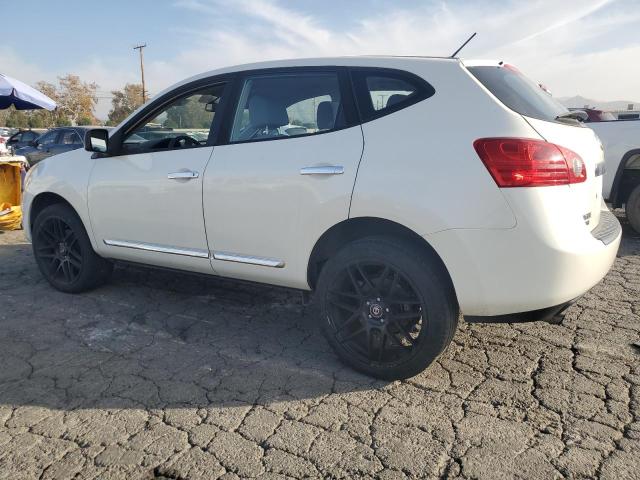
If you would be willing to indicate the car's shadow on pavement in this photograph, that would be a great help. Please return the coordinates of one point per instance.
(630, 237)
(156, 339)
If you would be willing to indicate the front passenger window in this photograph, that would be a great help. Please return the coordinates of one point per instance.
(183, 123)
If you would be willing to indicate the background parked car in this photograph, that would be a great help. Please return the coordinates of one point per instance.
(54, 141)
(5, 133)
(23, 138)
(621, 144)
(595, 115)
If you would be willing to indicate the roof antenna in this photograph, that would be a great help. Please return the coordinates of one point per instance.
(463, 45)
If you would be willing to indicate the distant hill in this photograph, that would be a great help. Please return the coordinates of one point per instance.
(579, 102)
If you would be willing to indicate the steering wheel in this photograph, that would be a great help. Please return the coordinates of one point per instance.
(183, 141)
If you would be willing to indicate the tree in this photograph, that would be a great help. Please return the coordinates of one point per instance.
(17, 118)
(44, 118)
(124, 102)
(76, 99)
(190, 113)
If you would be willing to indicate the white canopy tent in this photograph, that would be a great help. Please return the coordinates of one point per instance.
(22, 96)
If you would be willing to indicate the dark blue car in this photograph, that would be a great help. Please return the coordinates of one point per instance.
(23, 138)
(54, 141)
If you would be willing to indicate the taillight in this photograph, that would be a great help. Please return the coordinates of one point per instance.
(524, 162)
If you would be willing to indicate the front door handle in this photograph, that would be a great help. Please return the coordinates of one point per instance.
(186, 175)
(323, 170)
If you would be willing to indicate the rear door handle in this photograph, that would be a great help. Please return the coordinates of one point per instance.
(188, 175)
(323, 170)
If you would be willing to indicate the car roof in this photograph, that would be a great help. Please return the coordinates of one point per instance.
(353, 61)
(77, 127)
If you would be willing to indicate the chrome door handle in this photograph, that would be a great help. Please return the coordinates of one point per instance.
(183, 175)
(323, 170)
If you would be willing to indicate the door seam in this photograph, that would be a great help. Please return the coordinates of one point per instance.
(355, 180)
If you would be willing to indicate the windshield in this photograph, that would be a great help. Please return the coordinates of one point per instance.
(518, 92)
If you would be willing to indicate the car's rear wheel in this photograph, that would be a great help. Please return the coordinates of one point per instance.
(64, 253)
(387, 307)
(632, 209)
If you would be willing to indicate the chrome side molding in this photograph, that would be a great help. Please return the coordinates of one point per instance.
(323, 170)
(250, 259)
(184, 175)
(198, 253)
(153, 247)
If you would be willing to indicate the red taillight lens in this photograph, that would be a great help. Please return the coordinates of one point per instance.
(523, 162)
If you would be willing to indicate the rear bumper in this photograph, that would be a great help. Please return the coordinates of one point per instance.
(609, 228)
(526, 269)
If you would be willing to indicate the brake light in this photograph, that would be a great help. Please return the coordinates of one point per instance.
(524, 162)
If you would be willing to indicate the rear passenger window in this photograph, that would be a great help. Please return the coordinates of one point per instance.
(70, 137)
(288, 105)
(380, 92)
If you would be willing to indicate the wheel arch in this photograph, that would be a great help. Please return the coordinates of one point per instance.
(620, 189)
(42, 201)
(356, 228)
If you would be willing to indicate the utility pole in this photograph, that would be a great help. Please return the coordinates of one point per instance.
(144, 90)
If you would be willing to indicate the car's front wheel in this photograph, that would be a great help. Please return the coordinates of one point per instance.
(387, 307)
(64, 253)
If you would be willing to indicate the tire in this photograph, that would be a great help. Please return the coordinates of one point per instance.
(632, 209)
(386, 307)
(64, 253)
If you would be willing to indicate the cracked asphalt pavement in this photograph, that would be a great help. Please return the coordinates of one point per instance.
(165, 375)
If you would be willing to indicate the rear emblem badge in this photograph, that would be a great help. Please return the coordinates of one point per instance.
(376, 310)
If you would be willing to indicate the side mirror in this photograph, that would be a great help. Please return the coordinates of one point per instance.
(96, 140)
(210, 106)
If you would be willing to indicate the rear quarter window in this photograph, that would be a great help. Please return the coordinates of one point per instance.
(380, 92)
(518, 92)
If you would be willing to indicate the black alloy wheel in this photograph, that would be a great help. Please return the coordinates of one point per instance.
(64, 253)
(376, 313)
(58, 250)
(387, 306)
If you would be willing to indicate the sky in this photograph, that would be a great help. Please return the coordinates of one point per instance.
(574, 47)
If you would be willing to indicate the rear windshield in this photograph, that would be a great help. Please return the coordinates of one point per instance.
(518, 92)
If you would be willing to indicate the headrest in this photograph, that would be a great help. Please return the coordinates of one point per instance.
(324, 116)
(266, 112)
(395, 98)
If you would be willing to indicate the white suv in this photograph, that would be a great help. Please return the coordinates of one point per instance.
(401, 191)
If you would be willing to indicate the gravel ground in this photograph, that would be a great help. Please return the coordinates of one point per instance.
(164, 375)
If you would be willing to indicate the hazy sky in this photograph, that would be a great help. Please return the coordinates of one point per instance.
(575, 47)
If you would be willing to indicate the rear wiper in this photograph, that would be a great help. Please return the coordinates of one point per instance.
(577, 116)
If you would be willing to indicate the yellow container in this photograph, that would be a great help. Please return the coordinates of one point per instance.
(10, 195)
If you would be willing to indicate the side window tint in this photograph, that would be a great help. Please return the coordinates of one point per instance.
(49, 138)
(386, 92)
(183, 123)
(380, 92)
(288, 105)
(69, 137)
